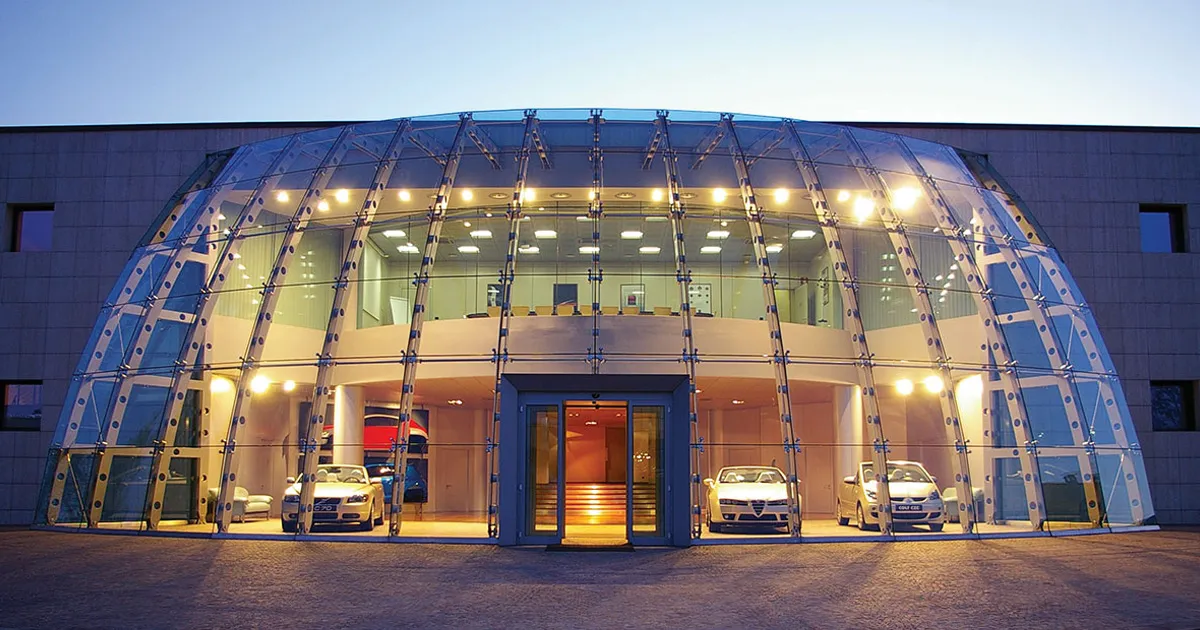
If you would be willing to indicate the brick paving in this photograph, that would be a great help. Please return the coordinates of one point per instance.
(50, 579)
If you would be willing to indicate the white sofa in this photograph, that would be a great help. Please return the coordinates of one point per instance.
(245, 504)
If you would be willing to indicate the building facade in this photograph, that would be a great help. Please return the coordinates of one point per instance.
(530, 327)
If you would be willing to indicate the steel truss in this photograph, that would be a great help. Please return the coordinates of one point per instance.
(500, 355)
(437, 218)
(662, 136)
(848, 287)
(754, 217)
(327, 360)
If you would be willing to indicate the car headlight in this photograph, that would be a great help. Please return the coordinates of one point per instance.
(357, 498)
(934, 495)
(291, 498)
(728, 502)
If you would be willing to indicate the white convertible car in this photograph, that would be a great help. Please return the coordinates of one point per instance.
(914, 493)
(344, 494)
(747, 496)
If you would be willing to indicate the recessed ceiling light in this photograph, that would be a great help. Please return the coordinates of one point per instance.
(467, 195)
(468, 249)
(323, 206)
(259, 384)
(544, 234)
(715, 234)
(466, 224)
(590, 423)
(843, 195)
(656, 194)
(560, 195)
(289, 386)
(774, 248)
(803, 234)
(657, 219)
(528, 249)
(404, 195)
(281, 196)
(630, 235)
(407, 248)
(933, 384)
(719, 195)
(589, 249)
(687, 195)
(863, 207)
(710, 249)
(624, 195)
(394, 233)
(342, 195)
(583, 218)
(481, 234)
(455, 402)
(738, 402)
(529, 194)
(498, 195)
(781, 195)
(904, 386)
(905, 198)
(649, 249)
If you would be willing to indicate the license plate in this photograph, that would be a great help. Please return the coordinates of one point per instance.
(907, 507)
(320, 507)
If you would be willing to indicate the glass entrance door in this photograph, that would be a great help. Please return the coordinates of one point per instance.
(594, 470)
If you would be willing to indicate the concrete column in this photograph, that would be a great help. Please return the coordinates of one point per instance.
(215, 427)
(847, 405)
(347, 425)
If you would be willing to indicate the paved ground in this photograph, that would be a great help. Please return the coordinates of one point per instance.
(50, 579)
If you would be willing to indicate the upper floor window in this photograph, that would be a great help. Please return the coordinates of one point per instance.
(1172, 405)
(1163, 228)
(21, 405)
(30, 227)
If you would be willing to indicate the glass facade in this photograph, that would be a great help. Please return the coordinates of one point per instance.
(316, 334)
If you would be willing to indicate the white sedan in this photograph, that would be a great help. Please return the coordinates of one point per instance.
(344, 493)
(747, 496)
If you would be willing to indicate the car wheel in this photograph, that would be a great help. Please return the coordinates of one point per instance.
(369, 523)
(379, 521)
(842, 520)
(862, 520)
(289, 528)
(936, 527)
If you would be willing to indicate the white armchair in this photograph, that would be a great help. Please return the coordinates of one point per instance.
(244, 503)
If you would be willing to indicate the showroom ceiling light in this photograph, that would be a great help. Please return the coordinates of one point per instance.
(738, 402)
(259, 384)
(710, 249)
(804, 234)
(342, 195)
(454, 401)
(323, 205)
(719, 195)
(394, 233)
(481, 234)
(933, 384)
(529, 249)
(545, 234)
(289, 386)
(468, 249)
(583, 217)
(467, 195)
(649, 249)
(656, 194)
(407, 248)
(904, 386)
(843, 196)
(774, 248)
(718, 234)
(220, 385)
(589, 249)
(631, 235)
(781, 195)
(529, 194)
(905, 198)
(863, 207)
(281, 196)
(404, 195)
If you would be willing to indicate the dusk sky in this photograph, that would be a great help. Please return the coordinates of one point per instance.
(1016, 61)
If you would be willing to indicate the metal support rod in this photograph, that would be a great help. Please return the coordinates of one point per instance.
(684, 277)
(595, 213)
(276, 281)
(327, 360)
(783, 396)
(848, 287)
(935, 348)
(507, 274)
(437, 218)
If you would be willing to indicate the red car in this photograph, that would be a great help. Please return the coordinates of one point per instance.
(379, 430)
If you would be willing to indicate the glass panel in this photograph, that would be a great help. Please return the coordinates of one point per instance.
(125, 496)
(648, 514)
(541, 481)
(596, 461)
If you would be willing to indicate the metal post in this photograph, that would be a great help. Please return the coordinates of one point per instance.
(754, 217)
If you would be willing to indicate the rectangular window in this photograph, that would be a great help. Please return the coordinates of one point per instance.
(1163, 228)
(29, 228)
(1172, 405)
(21, 406)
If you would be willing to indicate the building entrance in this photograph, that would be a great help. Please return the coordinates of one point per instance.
(596, 471)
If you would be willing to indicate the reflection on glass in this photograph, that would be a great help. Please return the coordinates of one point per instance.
(648, 470)
(541, 504)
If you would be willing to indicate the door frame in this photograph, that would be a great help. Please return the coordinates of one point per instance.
(520, 391)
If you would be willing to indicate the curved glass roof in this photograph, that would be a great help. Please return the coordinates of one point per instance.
(414, 256)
